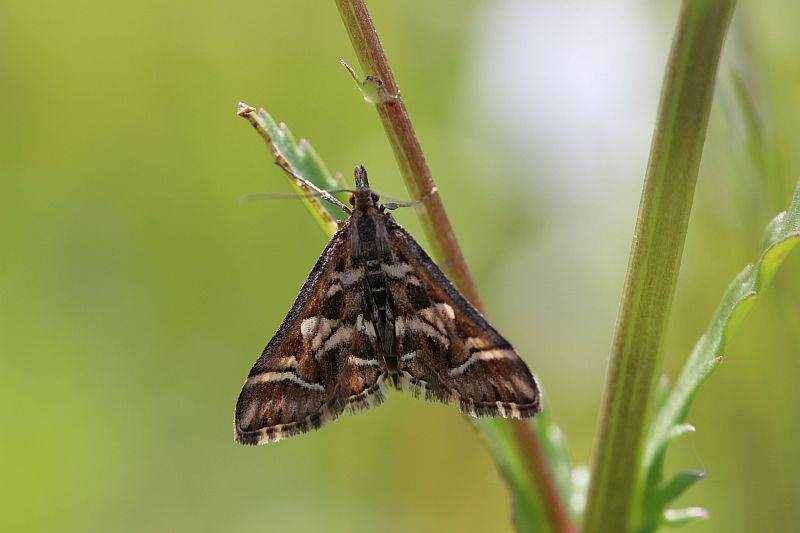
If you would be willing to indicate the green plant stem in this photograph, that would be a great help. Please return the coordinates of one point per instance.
(654, 261)
(436, 224)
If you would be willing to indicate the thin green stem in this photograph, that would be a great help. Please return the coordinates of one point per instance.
(415, 171)
(655, 260)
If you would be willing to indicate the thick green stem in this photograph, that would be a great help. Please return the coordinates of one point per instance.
(655, 260)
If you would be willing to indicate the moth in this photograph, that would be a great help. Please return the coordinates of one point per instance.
(377, 313)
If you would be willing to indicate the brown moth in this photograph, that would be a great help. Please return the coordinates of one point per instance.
(377, 312)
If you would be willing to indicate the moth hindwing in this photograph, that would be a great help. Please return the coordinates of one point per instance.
(377, 312)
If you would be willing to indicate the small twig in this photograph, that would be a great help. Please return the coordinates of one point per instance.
(552, 502)
(380, 88)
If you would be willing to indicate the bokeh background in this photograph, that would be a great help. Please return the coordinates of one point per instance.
(136, 290)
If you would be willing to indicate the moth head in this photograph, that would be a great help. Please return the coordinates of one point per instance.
(374, 197)
(364, 196)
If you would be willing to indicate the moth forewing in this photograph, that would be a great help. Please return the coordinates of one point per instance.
(376, 310)
(321, 361)
(449, 351)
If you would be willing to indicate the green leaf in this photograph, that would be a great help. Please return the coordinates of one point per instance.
(781, 235)
(555, 449)
(529, 515)
(530, 512)
(303, 160)
(676, 486)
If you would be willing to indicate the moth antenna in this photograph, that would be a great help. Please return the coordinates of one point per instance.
(385, 196)
(396, 205)
(253, 196)
(321, 192)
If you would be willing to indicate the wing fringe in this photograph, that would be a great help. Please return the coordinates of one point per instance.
(423, 390)
(330, 411)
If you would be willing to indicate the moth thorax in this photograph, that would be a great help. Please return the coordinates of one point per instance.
(372, 242)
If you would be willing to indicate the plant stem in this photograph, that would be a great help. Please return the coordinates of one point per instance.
(654, 261)
(417, 175)
(538, 468)
(405, 144)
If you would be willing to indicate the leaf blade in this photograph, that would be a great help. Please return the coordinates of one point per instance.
(302, 159)
(781, 235)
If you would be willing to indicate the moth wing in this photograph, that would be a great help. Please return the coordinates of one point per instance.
(322, 361)
(447, 350)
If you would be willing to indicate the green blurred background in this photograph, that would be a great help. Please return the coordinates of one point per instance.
(136, 290)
